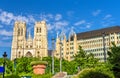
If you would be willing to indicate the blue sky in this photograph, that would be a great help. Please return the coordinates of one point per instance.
(60, 15)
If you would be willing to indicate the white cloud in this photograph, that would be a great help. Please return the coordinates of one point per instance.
(21, 18)
(60, 24)
(80, 22)
(107, 16)
(97, 12)
(88, 25)
(5, 38)
(5, 44)
(49, 26)
(58, 17)
(50, 16)
(5, 33)
(53, 21)
(7, 18)
(108, 20)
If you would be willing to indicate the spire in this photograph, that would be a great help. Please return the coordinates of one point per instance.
(29, 35)
(57, 35)
(72, 33)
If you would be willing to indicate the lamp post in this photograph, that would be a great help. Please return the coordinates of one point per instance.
(61, 38)
(4, 56)
(103, 35)
(53, 55)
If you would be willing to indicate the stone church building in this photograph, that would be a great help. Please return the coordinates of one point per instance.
(24, 45)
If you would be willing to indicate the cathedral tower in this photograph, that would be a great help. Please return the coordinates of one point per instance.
(40, 39)
(19, 38)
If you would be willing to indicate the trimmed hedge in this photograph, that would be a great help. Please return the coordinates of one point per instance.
(38, 62)
(42, 76)
(92, 73)
(12, 76)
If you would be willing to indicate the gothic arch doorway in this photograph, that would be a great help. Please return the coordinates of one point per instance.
(28, 54)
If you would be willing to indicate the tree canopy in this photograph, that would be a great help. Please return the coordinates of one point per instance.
(114, 59)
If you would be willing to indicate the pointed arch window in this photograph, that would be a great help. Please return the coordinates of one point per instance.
(18, 31)
(38, 30)
(19, 53)
(38, 54)
(21, 31)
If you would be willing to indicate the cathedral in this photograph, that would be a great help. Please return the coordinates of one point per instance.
(24, 45)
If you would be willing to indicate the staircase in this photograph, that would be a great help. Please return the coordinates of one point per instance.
(60, 75)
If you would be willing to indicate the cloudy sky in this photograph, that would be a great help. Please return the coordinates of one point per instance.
(60, 15)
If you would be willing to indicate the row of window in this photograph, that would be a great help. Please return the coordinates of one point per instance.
(95, 50)
(94, 45)
(98, 54)
(69, 53)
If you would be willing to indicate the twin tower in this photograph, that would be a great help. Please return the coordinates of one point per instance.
(24, 45)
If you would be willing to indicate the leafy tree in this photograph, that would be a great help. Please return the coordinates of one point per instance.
(8, 64)
(85, 60)
(23, 64)
(70, 67)
(67, 66)
(114, 59)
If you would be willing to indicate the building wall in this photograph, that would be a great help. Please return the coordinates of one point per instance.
(90, 45)
(67, 47)
(28, 47)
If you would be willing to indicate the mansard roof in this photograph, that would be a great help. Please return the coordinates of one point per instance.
(99, 32)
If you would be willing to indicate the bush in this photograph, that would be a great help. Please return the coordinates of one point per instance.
(42, 76)
(92, 73)
(12, 76)
(38, 62)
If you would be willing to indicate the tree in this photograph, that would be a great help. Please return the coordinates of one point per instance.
(9, 65)
(67, 66)
(114, 59)
(23, 64)
(85, 60)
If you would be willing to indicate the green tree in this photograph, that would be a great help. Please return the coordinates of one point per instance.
(23, 64)
(67, 66)
(114, 59)
(85, 60)
(8, 64)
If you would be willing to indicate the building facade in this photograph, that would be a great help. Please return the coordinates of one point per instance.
(26, 46)
(97, 42)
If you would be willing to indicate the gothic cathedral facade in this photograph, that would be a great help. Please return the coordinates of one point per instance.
(26, 46)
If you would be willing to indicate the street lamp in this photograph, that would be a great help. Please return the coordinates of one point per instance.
(61, 38)
(4, 56)
(53, 55)
(103, 35)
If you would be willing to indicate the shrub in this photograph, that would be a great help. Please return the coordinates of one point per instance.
(92, 73)
(12, 76)
(42, 76)
(38, 62)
